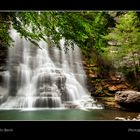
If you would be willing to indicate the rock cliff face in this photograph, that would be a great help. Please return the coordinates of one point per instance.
(3, 61)
(100, 85)
(3, 69)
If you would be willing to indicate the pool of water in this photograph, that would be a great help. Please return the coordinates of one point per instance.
(64, 114)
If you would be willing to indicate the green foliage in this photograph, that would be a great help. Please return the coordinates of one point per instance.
(5, 38)
(83, 28)
(126, 32)
(86, 29)
(126, 37)
(90, 30)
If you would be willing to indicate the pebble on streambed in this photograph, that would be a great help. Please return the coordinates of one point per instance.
(128, 118)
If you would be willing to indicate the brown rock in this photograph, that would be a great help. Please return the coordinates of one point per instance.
(129, 99)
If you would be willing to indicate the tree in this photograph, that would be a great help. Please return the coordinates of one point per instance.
(126, 36)
(82, 28)
(5, 39)
(86, 29)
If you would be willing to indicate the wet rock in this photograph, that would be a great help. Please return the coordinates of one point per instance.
(3, 95)
(134, 119)
(138, 117)
(128, 118)
(47, 94)
(50, 81)
(128, 99)
(3, 57)
(1, 79)
(70, 105)
(49, 102)
(2, 98)
(108, 102)
(120, 118)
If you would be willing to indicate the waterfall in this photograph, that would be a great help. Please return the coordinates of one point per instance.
(44, 76)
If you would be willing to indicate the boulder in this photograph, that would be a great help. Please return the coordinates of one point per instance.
(70, 105)
(129, 99)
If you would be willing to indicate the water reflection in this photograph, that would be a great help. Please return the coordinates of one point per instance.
(64, 114)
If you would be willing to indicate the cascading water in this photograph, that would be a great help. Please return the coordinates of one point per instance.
(44, 77)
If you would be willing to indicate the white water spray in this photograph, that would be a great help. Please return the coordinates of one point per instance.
(45, 77)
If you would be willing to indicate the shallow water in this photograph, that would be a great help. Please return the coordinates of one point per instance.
(64, 114)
